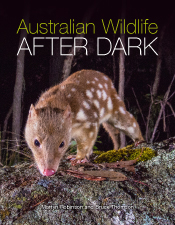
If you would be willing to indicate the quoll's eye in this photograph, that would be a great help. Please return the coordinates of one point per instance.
(36, 142)
(61, 145)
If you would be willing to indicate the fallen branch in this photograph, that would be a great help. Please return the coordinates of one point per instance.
(98, 175)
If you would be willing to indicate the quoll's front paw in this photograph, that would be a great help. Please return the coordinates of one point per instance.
(75, 161)
(85, 160)
(71, 157)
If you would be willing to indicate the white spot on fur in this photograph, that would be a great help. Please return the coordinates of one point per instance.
(112, 86)
(96, 79)
(88, 82)
(131, 115)
(91, 134)
(76, 125)
(92, 89)
(93, 82)
(89, 94)
(122, 110)
(119, 98)
(69, 95)
(130, 130)
(105, 78)
(105, 118)
(95, 115)
(104, 95)
(86, 105)
(96, 103)
(119, 125)
(106, 86)
(134, 124)
(81, 115)
(73, 89)
(96, 127)
(99, 93)
(109, 104)
(100, 86)
(102, 111)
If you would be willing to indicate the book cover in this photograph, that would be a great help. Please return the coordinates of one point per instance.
(132, 42)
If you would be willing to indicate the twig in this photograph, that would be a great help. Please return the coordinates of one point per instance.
(168, 91)
(149, 115)
(164, 122)
(14, 150)
(148, 119)
(6, 122)
(164, 102)
(171, 108)
(138, 182)
(38, 203)
(171, 95)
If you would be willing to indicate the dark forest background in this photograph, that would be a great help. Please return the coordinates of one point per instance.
(154, 110)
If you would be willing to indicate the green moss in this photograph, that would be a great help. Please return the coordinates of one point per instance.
(23, 199)
(17, 206)
(147, 154)
(97, 152)
(126, 153)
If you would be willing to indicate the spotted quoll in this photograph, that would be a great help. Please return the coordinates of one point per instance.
(74, 109)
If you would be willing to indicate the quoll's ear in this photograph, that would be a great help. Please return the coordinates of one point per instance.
(32, 111)
(67, 112)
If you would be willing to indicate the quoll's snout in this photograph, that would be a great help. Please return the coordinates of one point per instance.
(48, 172)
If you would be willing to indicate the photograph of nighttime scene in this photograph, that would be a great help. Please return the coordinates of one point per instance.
(87, 116)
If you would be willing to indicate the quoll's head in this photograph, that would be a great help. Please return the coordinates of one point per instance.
(48, 134)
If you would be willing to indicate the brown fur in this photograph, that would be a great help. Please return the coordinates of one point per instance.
(75, 109)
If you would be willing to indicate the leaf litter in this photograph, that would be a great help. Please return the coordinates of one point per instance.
(100, 172)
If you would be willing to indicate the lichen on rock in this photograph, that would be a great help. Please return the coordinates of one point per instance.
(26, 197)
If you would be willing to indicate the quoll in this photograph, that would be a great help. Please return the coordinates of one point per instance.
(74, 109)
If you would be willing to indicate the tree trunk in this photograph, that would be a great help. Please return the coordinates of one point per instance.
(158, 67)
(114, 64)
(68, 61)
(56, 66)
(122, 75)
(156, 83)
(17, 95)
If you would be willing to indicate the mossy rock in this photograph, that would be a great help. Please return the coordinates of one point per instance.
(126, 153)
